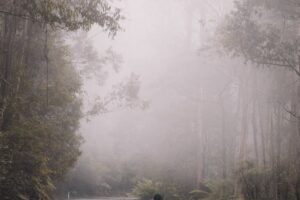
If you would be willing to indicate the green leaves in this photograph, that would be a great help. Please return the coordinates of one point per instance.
(39, 143)
(261, 34)
(74, 14)
(146, 189)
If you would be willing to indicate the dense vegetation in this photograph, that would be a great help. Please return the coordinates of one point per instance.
(40, 103)
(265, 34)
(224, 124)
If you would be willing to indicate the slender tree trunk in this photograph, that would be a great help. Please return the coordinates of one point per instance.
(262, 136)
(254, 126)
(273, 156)
(244, 125)
(202, 138)
(254, 115)
(278, 137)
(224, 143)
(296, 110)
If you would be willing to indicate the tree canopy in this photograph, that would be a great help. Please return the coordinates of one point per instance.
(40, 106)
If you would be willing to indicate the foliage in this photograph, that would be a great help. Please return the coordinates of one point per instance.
(67, 14)
(262, 33)
(39, 142)
(207, 190)
(253, 181)
(88, 178)
(146, 189)
(122, 95)
(214, 190)
(265, 33)
(40, 107)
(258, 183)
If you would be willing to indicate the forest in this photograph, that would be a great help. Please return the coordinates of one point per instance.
(125, 99)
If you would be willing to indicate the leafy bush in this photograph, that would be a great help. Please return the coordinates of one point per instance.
(253, 181)
(146, 189)
(214, 190)
(266, 184)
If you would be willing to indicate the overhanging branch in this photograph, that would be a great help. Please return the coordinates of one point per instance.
(26, 17)
(279, 65)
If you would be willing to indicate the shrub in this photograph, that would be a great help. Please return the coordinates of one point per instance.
(253, 181)
(146, 189)
(214, 190)
(266, 184)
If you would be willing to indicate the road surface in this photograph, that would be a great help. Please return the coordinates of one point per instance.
(109, 198)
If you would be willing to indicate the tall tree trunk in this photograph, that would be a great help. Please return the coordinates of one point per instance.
(9, 35)
(254, 115)
(254, 128)
(8, 71)
(202, 138)
(244, 122)
(262, 136)
(273, 155)
(224, 143)
(296, 110)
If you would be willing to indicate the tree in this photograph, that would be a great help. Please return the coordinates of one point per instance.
(265, 34)
(39, 91)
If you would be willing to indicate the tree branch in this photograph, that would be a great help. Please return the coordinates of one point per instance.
(279, 65)
(25, 17)
(292, 113)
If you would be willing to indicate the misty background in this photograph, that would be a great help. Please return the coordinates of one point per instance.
(189, 99)
(162, 43)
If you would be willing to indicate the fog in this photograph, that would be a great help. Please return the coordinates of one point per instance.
(160, 44)
(185, 99)
(204, 108)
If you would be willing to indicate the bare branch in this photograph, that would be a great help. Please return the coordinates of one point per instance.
(292, 113)
(278, 65)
